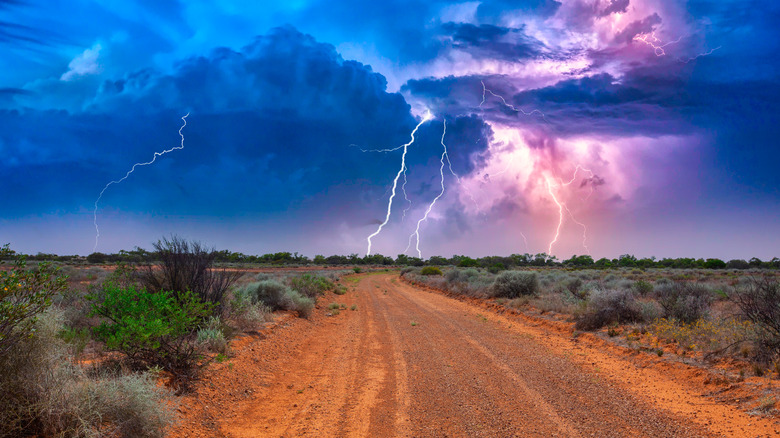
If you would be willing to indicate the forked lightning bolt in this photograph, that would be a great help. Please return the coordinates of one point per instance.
(416, 234)
(402, 170)
(653, 41)
(136, 165)
(658, 48)
(562, 206)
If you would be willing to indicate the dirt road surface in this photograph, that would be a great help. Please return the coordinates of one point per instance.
(410, 362)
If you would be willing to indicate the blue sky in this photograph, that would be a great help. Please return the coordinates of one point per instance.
(620, 126)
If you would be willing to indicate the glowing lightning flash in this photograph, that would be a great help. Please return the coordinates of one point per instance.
(653, 41)
(402, 170)
(156, 154)
(562, 206)
(416, 233)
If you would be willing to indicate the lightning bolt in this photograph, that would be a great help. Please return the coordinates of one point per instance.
(562, 206)
(707, 53)
(653, 41)
(402, 170)
(485, 90)
(154, 158)
(416, 233)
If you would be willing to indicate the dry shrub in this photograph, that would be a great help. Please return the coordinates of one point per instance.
(513, 284)
(759, 302)
(46, 394)
(684, 301)
(607, 307)
(704, 334)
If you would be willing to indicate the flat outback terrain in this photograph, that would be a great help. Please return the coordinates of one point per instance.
(398, 360)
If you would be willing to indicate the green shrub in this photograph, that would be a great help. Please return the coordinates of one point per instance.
(512, 284)
(357, 270)
(431, 270)
(607, 307)
(152, 329)
(24, 294)
(496, 268)
(311, 285)
(642, 287)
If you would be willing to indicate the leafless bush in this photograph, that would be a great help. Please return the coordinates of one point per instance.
(759, 302)
(188, 266)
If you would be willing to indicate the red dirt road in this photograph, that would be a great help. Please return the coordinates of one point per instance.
(410, 362)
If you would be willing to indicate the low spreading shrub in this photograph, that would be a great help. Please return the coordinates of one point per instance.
(46, 394)
(151, 329)
(277, 296)
(311, 285)
(512, 284)
(607, 307)
(431, 270)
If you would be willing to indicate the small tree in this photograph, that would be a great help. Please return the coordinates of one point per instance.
(23, 296)
(187, 266)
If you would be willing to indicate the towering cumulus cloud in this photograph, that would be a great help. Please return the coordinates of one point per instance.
(572, 126)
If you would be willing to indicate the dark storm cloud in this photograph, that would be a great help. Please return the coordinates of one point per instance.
(270, 126)
(614, 7)
(488, 41)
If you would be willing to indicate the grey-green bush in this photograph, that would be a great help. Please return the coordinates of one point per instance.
(609, 306)
(46, 394)
(277, 296)
(512, 284)
(684, 301)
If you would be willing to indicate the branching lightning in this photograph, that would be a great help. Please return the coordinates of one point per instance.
(562, 206)
(416, 233)
(653, 41)
(507, 104)
(402, 170)
(658, 48)
(154, 158)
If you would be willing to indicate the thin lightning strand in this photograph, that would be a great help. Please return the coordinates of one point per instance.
(562, 206)
(156, 154)
(707, 53)
(405, 147)
(560, 216)
(652, 41)
(416, 233)
(485, 89)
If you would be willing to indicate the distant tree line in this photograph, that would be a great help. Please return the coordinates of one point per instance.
(495, 263)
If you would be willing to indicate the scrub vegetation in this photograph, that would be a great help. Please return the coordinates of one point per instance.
(104, 350)
(713, 312)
